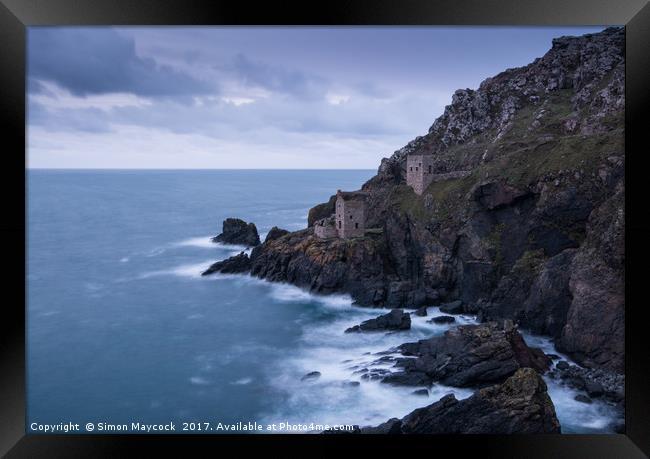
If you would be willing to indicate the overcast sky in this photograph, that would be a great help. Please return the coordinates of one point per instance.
(233, 97)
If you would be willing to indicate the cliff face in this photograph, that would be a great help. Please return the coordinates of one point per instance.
(527, 223)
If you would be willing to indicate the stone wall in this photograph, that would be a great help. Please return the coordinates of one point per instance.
(325, 228)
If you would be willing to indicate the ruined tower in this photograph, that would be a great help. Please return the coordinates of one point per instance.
(350, 213)
(419, 172)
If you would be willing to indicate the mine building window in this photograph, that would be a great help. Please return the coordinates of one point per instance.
(350, 217)
(416, 169)
(429, 169)
(411, 169)
(420, 164)
(356, 226)
(339, 224)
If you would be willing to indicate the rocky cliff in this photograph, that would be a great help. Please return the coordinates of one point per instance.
(525, 220)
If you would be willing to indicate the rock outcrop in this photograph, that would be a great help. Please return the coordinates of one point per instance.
(240, 263)
(237, 231)
(520, 405)
(468, 355)
(275, 233)
(394, 320)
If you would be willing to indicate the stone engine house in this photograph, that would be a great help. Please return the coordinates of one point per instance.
(350, 213)
(419, 172)
(348, 219)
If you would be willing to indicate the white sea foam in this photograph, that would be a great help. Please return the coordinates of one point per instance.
(572, 414)
(192, 270)
(203, 242)
(124, 259)
(242, 381)
(291, 293)
(332, 398)
(199, 381)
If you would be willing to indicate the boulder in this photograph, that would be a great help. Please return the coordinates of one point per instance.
(237, 231)
(442, 320)
(421, 312)
(594, 388)
(468, 355)
(520, 405)
(396, 319)
(582, 398)
(312, 375)
(562, 365)
(455, 307)
(275, 233)
(240, 263)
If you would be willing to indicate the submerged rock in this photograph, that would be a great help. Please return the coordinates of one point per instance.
(237, 231)
(236, 264)
(520, 405)
(443, 320)
(394, 320)
(312, 375)
(421, 312)
(469, 355)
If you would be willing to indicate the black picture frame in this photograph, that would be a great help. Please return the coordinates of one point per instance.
(16, 15)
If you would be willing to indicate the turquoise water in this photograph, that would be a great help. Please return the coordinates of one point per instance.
(122, 328)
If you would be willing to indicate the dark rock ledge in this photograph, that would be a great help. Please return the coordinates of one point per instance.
(468, 355)
(394, 320)
(237, 264)
(520, 405)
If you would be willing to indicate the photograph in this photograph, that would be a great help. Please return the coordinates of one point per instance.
(336, 230)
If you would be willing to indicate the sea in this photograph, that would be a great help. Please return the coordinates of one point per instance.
(122, 328)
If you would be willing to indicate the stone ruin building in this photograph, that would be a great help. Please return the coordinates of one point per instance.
(419, 172)
(348, 219)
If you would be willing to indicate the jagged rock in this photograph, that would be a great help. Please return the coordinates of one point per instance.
(421, 392)
(394, 320)
(240, 263)
(595, 324)
(594, 389)
(312, 375)
(275, 233)
(321, 211)
(237, 231)
(582, 398)
(421, 312)
(455, 307)
(562, 365)
(468, 355)
(443, 320)
(520, 405)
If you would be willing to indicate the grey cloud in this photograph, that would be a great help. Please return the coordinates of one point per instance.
(287, 81)
(100, 60)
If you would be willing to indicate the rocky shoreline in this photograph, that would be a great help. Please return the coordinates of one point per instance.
(529, 235)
